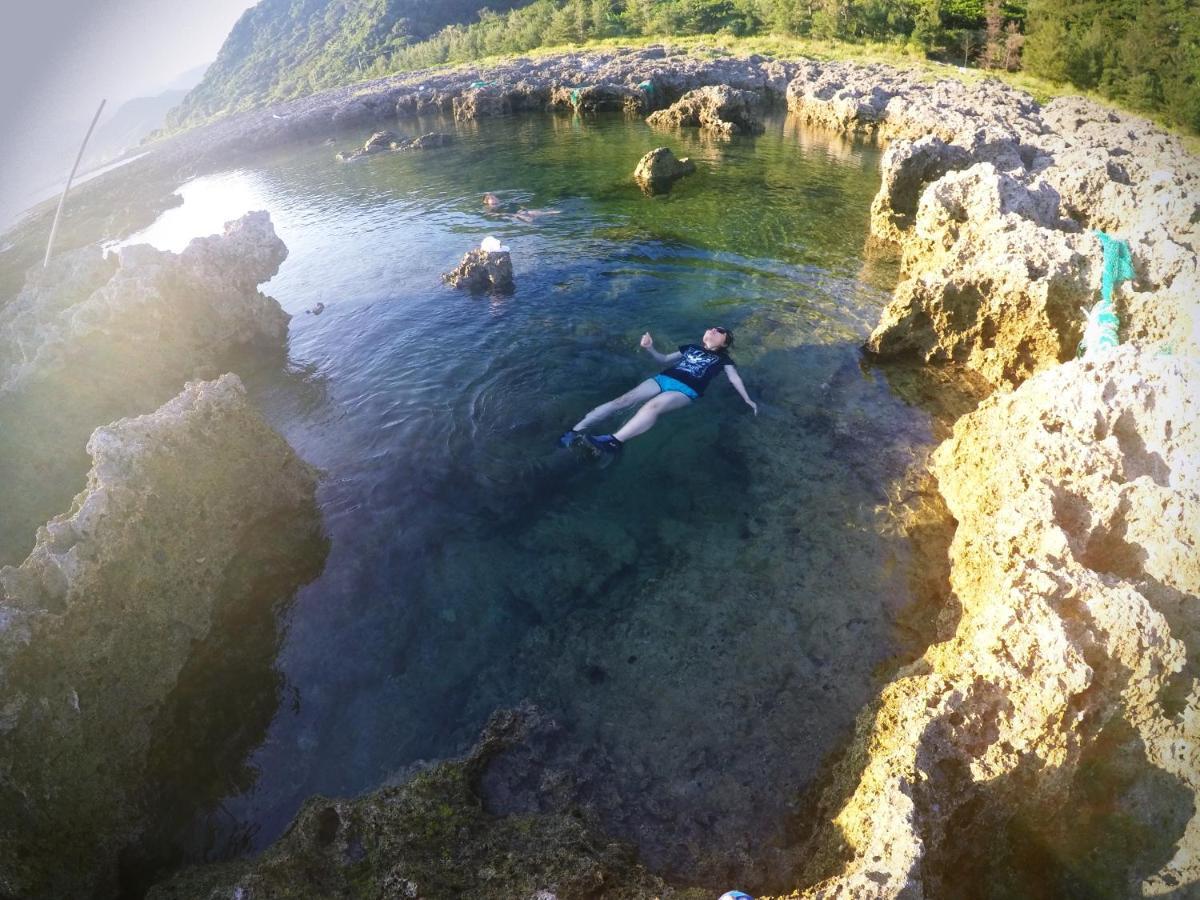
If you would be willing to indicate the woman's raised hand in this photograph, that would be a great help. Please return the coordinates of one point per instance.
(647, 341)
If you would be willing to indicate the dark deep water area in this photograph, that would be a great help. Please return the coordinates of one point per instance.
(705, 616)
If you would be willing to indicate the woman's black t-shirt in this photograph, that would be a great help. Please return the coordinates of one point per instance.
(697, 367)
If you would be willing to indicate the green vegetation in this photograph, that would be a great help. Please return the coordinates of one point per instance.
(937, 27)
(1144, 54)
(281, 49)
(1141, 54)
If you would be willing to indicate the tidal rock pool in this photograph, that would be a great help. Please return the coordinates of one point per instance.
(705, 616)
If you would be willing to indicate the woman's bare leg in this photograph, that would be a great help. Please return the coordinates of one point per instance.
(644, 391)
(643, 420)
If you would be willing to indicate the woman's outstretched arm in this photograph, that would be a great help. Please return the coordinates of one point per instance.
(736, 380)
(663, 358)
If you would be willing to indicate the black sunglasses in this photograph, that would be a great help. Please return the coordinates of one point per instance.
(720, 329)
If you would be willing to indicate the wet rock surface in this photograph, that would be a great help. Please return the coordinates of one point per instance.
(482, 270)
(657, 169)
(384, 141)
(184, 511)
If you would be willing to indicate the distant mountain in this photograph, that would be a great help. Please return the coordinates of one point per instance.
(282, 49)
(126, 127)
(44, 156)
(185, 81)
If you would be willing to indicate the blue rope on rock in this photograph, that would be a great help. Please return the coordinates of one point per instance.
(1100, 329)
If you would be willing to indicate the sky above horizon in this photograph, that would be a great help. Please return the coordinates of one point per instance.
(59, 58)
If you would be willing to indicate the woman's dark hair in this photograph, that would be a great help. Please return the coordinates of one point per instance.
(728, 337)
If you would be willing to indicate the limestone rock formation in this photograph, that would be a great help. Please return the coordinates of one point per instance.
(178, 311)
(1078, 502)
(990, 282)
(718, 108)
(431, 836)
(92, 339)
(481, 270)
(657, 169)
(602, 97)
(907, 167)
(379, 141)
(384, 141)
(183, 509)
(878, 100)
(483, 102)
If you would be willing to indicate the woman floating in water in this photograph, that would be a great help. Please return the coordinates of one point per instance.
(494, 203)
(695, 365)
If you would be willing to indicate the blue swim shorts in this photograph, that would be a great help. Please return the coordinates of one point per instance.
(667, 383)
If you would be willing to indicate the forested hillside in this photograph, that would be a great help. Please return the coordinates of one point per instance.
(281, 49)
(1144, 54)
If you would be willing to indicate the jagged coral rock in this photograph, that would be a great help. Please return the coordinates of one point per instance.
(906, 167)
(1078, 502)
(658, 168)
(95, 338)
(718, 108)
(989, 281)
(605, 96)
(171, 310)
(482, 270)
(99, 621)
(486, 101)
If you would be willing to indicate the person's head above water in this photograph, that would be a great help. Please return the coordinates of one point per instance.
(718, 338)
(491, 200)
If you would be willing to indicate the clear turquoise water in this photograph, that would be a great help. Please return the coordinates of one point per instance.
(705, 617)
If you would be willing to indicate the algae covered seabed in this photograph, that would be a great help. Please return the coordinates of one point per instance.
(703, 619)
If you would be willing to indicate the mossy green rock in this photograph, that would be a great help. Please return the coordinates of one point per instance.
(433, 837)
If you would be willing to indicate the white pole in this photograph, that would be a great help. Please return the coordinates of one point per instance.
(70, 178)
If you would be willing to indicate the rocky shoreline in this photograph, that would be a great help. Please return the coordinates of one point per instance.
(1075, 487)
(164, 577)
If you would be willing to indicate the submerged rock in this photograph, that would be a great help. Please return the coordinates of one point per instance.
(657, 169)
(433, 835)
(379, 141)
(184, 509)
(387, 141)
(430, 141)
(481, 270)
(717, 108)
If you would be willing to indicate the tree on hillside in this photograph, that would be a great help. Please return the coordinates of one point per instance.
(927, 26)
(1014, 42)
(993, 56)
(1046, 50)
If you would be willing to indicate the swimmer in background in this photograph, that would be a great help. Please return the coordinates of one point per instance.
(692, 367)
(492, 202)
